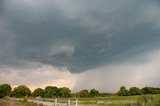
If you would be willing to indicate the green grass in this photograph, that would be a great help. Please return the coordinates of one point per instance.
(109, 101)
(143, 100)
(24, 102)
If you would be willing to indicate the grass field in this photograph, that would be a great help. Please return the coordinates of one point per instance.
(9, 102)
(123, 101)
(143, 100)
(148, 100)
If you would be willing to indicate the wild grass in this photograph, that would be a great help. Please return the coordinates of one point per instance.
(142, 100)
(24, 102)
(116, 100)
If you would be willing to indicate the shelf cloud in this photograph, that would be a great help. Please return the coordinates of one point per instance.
(81, 36)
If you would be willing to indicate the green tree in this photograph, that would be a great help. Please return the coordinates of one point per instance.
(5, 90)
(83, 93)
(93, 93)
(134, 91)
(21, 91)
(51, 91)
(39, 92)
(156, 90)
(123, 91)
(64, 92)
(148, 90)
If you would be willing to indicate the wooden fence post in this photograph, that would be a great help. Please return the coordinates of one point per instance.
(55, 104)
(76, 102)
(69, 102)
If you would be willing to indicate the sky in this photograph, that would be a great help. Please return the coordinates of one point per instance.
(82, 44)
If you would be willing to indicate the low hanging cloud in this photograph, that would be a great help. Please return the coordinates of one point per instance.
(84, 37)
(79, 35)
(111, 77)
(38, 77)
(108, 78)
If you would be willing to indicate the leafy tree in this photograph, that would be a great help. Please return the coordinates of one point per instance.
(123, 91)
(21, 91)
(39, 92)
(51, 91)
(64, 92)
(135, 91)
(148, 90)
(83, 93)
(156, 91)
(93, 93)
(5, 90)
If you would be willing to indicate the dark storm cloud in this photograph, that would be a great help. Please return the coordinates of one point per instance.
(1, 6)
(79, 34)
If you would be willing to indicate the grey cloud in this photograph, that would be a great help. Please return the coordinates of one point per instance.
(80, 35)
(111, 77)
(38, 77)
(1, 6)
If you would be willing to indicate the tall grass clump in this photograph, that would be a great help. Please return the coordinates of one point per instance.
(148, 100)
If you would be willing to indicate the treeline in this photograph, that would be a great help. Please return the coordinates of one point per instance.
(64, 92)
(48, 92)
(123, 91)
(23, 90)
(87, 93)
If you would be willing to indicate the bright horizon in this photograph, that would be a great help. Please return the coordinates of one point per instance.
(81, 44)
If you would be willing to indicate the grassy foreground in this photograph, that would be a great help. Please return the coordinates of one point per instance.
(143, 100)
(8, 102)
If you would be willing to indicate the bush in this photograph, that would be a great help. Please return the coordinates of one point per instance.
(148, 100)
(123, 91)
(51, 92)
(39, 92)
(150, 90)
(134, 91)
(21, 91)
(64, 92)
(83, 93)
(5, 90)
(93, 93)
